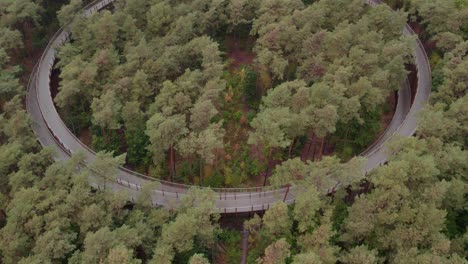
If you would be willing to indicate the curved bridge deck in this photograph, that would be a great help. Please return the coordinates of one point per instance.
(51, 131)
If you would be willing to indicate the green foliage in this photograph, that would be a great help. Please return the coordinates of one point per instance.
(242, 167)
(24, 12)
(455, 223)
(413, 210)
(233, 81)
(437, 76)
(276, 253)
(234, 176)
(231, 240)
(198, 259)
(9, 84)
(111, 141)
(186, 257)
(257, 251)
(357, 136)
(237, 116)
(82, 225)
(251, 115)
(434, 60)
(184, 173)
(193, 228)
(276, 220)
(158, 171)
(249, 86)
(308, 2)
(340, 212)
(137, 154)
(216, 179)
(77, 117)
(119, 62)
(227, 115)
(253, 167)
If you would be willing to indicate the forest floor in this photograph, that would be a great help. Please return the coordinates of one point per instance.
(239, 52)
(239, 55)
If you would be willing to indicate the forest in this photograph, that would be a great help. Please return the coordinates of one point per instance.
(237, 93)
(182, 113)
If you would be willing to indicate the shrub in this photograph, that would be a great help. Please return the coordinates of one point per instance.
(237, 116)
(215, 180)
(234, 176)
(251, 115)
(112, 143)
(137, 154)
(249, 87)
(183, 172)
(232, 241)
(253, 166)
(158, 171)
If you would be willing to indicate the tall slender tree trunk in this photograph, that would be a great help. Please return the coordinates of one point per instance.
(201, 172)
(321, 148)
(268, 167)
(291, 146)
(216, 161)
(311, 142)
(82, 106)
(171, 162)
(28, 35)
(308, 151)
(3, 215)
(191, 169)
(174, 162)
(314, 152)
(104, 135)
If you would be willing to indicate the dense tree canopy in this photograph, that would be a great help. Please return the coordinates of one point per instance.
(411, 210)
(153, 74)
(159, 66)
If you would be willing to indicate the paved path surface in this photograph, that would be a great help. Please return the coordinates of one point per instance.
(51, 131)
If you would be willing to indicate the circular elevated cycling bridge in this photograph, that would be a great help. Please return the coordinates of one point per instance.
(52, 131)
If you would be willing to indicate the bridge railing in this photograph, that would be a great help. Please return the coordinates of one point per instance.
(377, 144)
(243, 203)
(422, 82)
(58, 39)
(61, 36)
